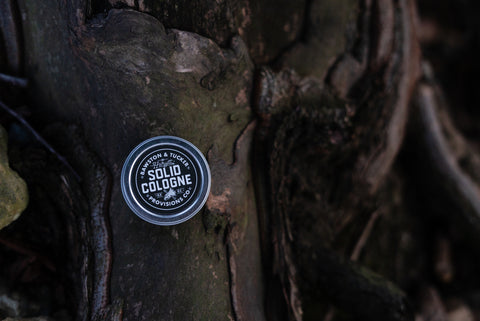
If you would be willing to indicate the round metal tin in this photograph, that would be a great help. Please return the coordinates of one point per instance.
(165, 180)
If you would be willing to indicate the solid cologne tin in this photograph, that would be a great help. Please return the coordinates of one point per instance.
(165, 180)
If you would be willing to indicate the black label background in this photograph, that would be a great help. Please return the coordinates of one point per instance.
(136, 180)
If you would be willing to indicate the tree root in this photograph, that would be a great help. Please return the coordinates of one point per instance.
(446, 153)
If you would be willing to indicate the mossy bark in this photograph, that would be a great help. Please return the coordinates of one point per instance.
(124, 78)
(13, 190)
(300, 108)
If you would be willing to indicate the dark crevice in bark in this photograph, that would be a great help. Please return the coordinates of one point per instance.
(301, 38)
(231, 275)
(359, 47)
(100, 7)
(306, 27)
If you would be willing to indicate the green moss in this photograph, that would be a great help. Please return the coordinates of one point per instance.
(13, 189)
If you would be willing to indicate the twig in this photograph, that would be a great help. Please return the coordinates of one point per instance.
(16, 81)
(40, 138)
(364, 236)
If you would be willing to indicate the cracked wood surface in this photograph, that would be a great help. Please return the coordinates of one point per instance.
(166, 70)
(331, 112)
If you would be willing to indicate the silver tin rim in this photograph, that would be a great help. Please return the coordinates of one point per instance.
(184, 214)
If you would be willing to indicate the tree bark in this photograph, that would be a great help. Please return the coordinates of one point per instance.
(301, 109)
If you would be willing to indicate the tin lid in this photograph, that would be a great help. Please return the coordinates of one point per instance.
(165, 180)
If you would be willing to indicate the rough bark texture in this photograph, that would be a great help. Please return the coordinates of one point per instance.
(184, 85)
(301, 108)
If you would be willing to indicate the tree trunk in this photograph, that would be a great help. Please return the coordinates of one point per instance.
(300, 108)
